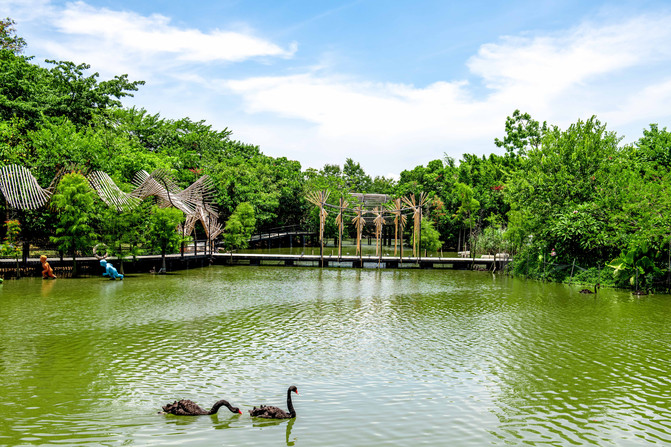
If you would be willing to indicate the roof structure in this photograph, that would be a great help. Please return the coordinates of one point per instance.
(370, 201)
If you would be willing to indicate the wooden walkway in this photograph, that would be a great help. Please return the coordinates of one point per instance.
(89, 266)
(385, 262)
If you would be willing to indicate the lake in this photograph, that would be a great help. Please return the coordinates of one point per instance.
(380, 357)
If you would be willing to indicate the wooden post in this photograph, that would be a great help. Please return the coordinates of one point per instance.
(419, 245)
(571, 277)
(340, 228)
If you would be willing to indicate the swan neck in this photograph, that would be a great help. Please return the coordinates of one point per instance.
(218, 405)
(290, 405)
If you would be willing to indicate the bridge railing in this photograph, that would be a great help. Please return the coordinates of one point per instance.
(276, 232)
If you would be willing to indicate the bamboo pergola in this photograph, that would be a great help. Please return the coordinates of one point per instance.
(384, 209)
(110, 193)
(22, 191)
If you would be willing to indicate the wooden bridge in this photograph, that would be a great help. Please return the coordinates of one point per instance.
(386, 262)
(279, 233)
(89, 266)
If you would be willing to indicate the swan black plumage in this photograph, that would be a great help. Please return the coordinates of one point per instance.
(276, 413)
(596, 286)
(187, 407)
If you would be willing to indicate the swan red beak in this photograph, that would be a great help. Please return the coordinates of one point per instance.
(239, 412)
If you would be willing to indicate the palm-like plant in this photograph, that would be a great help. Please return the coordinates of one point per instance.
(359, 221)
(341, 223)
(379, 222)
(399, 222)
(319, 198)
(416, 205)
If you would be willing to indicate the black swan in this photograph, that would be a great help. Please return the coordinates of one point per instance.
(276, 413)
(187, 407)
(596, 286)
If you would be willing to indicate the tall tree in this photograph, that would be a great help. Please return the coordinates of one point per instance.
(563, 186)
(355, 177)
(522, 134)
(162, 230)
(469, 206)
(655, 146)
(75, 95)
(8, 38)
(74, 200)
(239, 227)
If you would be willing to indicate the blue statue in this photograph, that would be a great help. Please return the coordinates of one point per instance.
(110, 270)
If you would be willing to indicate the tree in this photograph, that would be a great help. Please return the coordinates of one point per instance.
(430, 239)
(22, 89)
(566, 187)
(355, 177)
(76, 96)
(74, 200)
(522, 133)
(468, 207)
(61, 143)
(492, 241)
(33, 93)
(162, 230)
(123, 231)
(11, 245)
(239, 227)
(655, 146)
(8, 38)
(382, 185)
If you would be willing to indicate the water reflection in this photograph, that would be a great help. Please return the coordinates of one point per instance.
(47, 285)
(224, 422)
(581, 371)
(389, 357)
(267, 423)
(288, 440)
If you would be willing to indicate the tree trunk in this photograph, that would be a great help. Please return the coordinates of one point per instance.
(74, 259)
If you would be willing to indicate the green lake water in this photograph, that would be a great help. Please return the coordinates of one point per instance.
(380, 358)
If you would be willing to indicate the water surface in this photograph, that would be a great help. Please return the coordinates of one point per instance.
(380, 357)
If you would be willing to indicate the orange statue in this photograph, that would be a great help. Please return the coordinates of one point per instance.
(47, 272)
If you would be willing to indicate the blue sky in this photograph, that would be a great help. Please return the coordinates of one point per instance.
(390, 84)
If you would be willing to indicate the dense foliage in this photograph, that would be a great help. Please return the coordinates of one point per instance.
(74, 200)
(567, 203)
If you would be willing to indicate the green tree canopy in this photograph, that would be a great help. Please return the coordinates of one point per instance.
(74, 200)
(8, 38)
(162, 231)
(239, 227)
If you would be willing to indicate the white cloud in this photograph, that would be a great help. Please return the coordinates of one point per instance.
(617, 70)
(646, 106)
(558, 77)
(539, 69)
(146, 47)
(128, 31)
(359, 109)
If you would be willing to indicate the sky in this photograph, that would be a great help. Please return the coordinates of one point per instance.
(391, 84)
